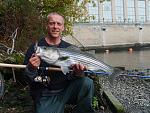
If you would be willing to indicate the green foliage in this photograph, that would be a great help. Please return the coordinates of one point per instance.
(97, 101)
(15, 58)
(95, 104)
(22, 14)
(19, 58)
(30, 16)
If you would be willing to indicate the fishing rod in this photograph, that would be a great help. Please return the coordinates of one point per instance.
(24, 66)
(59, 69)
(43, 79)
(47, 68)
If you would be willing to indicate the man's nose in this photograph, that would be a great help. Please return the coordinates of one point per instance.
(55, 25)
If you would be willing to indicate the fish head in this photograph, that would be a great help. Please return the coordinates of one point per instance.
(48, 54)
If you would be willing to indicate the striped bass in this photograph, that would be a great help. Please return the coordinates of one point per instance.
(64, 58)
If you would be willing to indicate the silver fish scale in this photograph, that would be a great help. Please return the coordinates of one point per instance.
(87, 60)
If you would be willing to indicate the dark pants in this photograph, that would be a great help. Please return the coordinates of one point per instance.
(79, 91)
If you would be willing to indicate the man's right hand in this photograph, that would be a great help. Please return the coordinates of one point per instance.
(35, 61)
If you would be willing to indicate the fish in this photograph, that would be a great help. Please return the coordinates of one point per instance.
(66, 57)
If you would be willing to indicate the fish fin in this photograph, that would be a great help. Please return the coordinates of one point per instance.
(65, 69)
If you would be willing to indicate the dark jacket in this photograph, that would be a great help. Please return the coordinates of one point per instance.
(58, 81)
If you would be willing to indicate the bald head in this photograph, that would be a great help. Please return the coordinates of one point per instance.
(55, 13)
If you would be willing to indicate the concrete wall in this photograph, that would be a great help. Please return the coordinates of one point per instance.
(105, 35)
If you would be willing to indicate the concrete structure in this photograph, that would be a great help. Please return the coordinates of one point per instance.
(132, 26)
(108, 35)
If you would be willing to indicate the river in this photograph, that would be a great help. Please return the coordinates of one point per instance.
(128, 59)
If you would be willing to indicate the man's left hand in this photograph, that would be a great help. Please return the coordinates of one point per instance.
(78, 69)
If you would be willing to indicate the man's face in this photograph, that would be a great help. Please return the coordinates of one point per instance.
(55, 26)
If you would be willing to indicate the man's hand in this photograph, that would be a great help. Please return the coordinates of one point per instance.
(35, 61)
(78, 69)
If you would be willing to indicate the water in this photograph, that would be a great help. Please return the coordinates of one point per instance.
(129, 60)
(132, 92)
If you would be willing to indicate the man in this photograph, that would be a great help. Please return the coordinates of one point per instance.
(61, 89)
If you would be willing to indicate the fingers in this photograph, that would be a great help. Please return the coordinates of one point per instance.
(34, 61)
(78, 69)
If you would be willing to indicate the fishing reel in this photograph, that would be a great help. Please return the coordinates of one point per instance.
(42, 79)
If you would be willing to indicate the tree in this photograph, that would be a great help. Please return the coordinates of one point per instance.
(29, 16)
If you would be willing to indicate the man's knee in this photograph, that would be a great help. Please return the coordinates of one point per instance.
(86, 82)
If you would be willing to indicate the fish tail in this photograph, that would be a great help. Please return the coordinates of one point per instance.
(116, 72)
